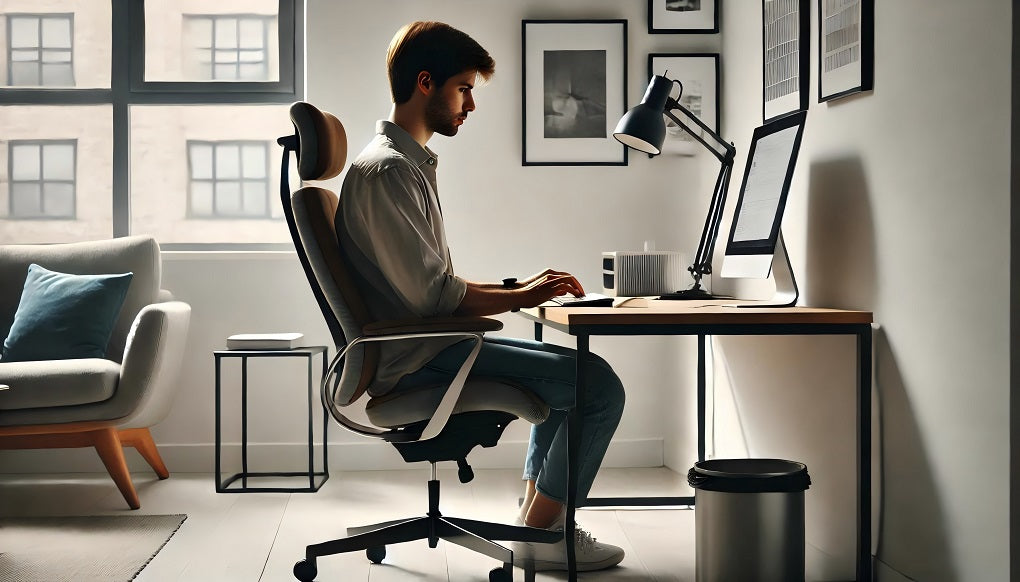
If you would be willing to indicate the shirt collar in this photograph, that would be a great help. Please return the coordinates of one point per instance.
(405, 144)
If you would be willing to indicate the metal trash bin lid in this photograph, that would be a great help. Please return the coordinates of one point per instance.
(749, 476)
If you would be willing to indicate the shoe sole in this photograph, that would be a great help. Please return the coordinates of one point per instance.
(545, 566)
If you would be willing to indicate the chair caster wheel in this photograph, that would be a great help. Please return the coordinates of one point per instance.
(376, 554)
(305, 571)
(500, 575)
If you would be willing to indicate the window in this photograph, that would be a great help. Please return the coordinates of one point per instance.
(42, 179)
(228, 47)
(229, 179)
(39, 50)
(167, 110)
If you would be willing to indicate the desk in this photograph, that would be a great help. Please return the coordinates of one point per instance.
(702, 319)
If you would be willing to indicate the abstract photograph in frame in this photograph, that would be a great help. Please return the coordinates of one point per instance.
(574, 92)
(699, 75)
(786, 33)
(683, 16)
(846, 47)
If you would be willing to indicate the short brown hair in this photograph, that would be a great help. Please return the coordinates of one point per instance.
(438, 48)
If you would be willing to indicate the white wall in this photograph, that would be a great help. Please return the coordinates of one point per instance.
(901, 206)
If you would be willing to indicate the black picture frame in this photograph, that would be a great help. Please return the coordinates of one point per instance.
(850, 67)
(786, 60)
(574, 91)
(683, 16)
(699, 75)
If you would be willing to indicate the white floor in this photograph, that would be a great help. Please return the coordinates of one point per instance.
(246, 537)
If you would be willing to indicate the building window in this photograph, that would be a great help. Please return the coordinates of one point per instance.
(228, 47)
(229, 179)
(42, 179)
(39, 50)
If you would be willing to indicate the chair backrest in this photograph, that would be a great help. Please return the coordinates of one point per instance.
(310, 211)
(137, 254)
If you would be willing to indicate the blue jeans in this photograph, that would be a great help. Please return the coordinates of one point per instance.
(550, 372)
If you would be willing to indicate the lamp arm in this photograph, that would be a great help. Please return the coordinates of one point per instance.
(728, 150)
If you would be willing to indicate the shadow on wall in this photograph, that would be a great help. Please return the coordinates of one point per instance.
(843, 272)
(911, 508)
(840, 236)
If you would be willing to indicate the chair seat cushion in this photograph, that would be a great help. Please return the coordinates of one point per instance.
(57, 383)
(417, 404)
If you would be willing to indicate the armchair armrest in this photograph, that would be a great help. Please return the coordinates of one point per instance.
(152, 359)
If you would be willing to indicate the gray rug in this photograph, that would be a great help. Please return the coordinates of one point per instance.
(103, 548)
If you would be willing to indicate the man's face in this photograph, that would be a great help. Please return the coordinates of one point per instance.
(448, 106)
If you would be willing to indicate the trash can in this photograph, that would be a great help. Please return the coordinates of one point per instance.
(749, 520)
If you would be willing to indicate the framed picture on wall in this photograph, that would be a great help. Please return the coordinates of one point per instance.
(698, 74)
(786, 32)
(683, 16)
(846, 48)
(574, 92)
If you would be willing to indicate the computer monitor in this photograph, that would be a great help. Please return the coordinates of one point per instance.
(755, 236)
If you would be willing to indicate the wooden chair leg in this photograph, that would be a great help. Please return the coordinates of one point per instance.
(141, 440)
(107, 443)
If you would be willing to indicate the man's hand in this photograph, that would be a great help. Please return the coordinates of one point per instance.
(536, 289)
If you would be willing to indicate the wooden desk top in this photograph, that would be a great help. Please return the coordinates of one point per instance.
(695, 313)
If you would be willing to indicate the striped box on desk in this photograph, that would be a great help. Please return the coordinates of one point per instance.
(634, 273)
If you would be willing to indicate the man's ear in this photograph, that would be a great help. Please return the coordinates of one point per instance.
(425, 82)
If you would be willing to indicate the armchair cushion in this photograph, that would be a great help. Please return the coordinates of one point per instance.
(57, 383)
(63, 316)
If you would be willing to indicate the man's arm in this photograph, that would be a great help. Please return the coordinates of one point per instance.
(490, 298)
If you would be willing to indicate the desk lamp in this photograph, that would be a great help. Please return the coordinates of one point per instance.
(644, 129)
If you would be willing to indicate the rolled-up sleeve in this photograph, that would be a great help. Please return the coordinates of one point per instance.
(390, 225)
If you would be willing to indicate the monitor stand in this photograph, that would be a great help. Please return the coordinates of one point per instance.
(787, 292)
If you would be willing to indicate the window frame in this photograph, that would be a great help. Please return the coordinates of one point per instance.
(42, 181)
(128, 87)
(213, 19)
(241, 179)
(41, 48)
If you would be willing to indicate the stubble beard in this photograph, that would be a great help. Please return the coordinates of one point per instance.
(440, 120)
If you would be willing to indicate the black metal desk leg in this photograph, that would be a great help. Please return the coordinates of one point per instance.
(864, 565)
(325, 421)
(538, 332)
(702, 354)
(574, 426)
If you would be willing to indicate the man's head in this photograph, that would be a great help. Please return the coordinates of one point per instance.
(438, 64)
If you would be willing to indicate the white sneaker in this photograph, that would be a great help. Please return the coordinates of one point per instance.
(589, 553)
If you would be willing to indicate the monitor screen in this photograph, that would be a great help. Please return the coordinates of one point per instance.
(759, 214)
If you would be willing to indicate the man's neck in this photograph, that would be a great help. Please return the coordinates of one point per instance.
(411, 122)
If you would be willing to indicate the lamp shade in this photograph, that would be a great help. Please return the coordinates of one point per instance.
(643, 128)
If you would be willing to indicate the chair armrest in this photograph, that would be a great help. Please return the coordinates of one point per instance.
(432, 324)
(152, 360)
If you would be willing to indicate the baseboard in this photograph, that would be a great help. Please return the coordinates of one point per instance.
(367, 456)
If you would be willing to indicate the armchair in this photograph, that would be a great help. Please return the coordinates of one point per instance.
(109, 402)
(432, 423)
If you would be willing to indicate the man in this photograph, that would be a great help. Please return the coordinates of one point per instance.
(390, 227)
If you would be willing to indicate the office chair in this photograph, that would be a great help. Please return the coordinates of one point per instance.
(429, 423)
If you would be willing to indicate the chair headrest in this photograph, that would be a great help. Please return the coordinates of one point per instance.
(322, 150)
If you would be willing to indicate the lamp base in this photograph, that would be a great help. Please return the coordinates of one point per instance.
(688, 295)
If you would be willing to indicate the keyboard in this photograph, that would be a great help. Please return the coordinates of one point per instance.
(587, 300)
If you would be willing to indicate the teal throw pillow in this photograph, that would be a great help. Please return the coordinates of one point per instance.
(62, 316)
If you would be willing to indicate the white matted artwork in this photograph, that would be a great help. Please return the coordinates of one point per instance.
(698, 73)
(786, 33)
(683, 16)
(574, 92)
(846, 46)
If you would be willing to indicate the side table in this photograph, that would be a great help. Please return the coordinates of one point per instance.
(314, 478)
